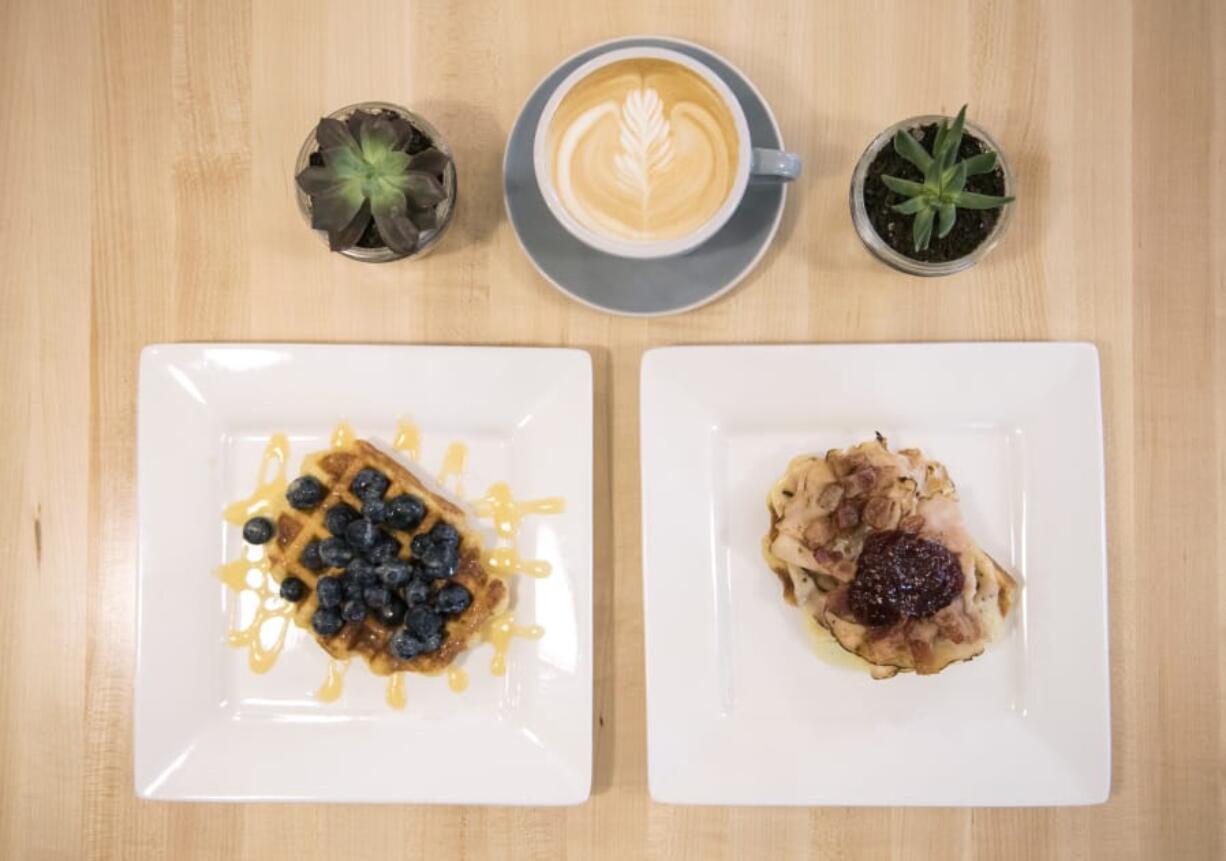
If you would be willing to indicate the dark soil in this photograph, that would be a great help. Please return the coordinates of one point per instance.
(370, 237)
(972, 226)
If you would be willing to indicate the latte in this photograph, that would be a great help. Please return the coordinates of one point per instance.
(643, 149)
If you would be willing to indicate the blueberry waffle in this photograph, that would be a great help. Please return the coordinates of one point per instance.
(378, 565)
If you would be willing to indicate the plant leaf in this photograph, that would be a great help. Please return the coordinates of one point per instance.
(909, 148)
(985, 162)
(971, 200)
(431, 161)
(938, 145)
(946, 216)
(348, 236)
(345, 163)
(316, 180)
(398, 231)
(332, 134)
(905, 187)
(421, 189)
(376, 138)
(921, 229)
(357, 119)
(404, 133)
(386, 198)
(911, 206)
(332, 212)
(932, 176)
(954, 179)
(393, 162)
(953, 139)
(426, 217)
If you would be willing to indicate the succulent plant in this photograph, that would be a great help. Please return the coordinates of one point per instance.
(374, 166)
(937, 199)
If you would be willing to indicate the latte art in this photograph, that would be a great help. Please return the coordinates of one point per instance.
(643, 149)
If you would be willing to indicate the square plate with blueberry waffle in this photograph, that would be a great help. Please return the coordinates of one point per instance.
(425, 642)
(377, 565)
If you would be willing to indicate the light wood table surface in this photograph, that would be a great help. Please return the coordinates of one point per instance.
(146, 151)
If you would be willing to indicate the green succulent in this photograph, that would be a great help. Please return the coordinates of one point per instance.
(938, 198)
(368, 173)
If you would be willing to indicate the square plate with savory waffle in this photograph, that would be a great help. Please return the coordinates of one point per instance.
(435, 643)
(947, 644)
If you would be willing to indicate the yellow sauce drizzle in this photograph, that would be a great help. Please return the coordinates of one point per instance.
(499, 631)
(457, 679)
(408, 439)
(508, 513)
(253, 573)
(334, 683)
(395, 691)
(269, 489)
(343, 435)
(505, 561)
(453, 466)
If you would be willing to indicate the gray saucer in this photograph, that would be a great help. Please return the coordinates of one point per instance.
(621, 285)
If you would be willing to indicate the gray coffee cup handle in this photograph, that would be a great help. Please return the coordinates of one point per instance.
(773, 165)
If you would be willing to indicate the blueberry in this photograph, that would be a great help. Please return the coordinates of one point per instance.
(257, 530)
(305, 492)
(362, 571)
(391, 614)
(310, 557)
(422, 622)
(444, 533)
(375, 596)
(338, 517)
(293, 589)
(353, 611)
(420, 544)
(369, 483)
(330, 591)
(452, 599)
(431, 643)
(362, 535)
(405, 646)
(352, 586)
(440, 560)
(385, 550)
(335, 552)
(405, 512)
(417, 591)
(327, 622)
(374, 510)
(394, 574)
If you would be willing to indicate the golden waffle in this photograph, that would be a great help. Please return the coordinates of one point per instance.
(335, 469)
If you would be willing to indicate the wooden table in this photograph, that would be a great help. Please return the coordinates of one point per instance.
(147, 151)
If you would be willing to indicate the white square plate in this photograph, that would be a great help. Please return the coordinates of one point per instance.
(206, 727)
(741, 710)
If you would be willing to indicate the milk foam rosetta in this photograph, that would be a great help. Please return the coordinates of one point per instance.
(643, 149)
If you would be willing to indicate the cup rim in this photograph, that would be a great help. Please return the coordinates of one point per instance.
(654, 248)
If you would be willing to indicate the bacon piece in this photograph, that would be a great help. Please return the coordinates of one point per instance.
(882, 513)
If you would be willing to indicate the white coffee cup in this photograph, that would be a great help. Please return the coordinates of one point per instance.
(752, 164)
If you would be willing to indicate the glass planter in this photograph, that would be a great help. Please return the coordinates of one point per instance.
(446, 211)
(882, 249)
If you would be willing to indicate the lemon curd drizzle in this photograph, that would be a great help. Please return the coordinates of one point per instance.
(250, 575)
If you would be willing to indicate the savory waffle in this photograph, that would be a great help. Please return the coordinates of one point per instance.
(336, 469)
(871, 544)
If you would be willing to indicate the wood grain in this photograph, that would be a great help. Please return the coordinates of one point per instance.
(147, 151)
